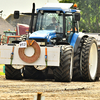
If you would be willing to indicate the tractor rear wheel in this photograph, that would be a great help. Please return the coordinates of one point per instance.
(77, 73)
(31, 73)
(11, 73)
(89, 58)
(63, 73)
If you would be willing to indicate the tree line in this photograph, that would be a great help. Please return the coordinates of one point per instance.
(90, 14)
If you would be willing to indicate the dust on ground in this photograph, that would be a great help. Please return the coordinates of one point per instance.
(27, 89)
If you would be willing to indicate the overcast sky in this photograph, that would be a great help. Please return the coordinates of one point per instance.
(9, 6)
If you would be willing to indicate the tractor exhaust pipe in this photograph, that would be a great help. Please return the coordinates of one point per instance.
(32, 19)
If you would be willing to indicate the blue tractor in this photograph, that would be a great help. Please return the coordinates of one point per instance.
(57, 25)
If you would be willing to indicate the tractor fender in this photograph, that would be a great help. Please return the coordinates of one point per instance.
(78, 41)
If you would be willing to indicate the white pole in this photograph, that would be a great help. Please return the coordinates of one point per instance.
(18, 29)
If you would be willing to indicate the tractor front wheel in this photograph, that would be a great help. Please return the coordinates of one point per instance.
(63, 73)
(30, 72)
(11, 73)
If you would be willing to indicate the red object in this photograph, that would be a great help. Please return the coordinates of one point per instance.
(22, 29)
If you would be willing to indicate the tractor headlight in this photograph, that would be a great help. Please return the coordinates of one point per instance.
(41, 43)
(53, 40)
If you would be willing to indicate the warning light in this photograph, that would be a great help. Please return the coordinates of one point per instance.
(8, 29)
(27, 30)
(75, 5)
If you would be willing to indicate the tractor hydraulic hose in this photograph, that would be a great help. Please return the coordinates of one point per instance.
(46, 56)
(12, 54)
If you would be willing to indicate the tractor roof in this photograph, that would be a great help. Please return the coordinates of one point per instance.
(9, 31)
(65, 7)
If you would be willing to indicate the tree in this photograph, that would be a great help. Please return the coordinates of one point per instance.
(90, 15)
(66, 1)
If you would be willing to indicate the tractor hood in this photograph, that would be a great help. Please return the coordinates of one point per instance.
(43, 34)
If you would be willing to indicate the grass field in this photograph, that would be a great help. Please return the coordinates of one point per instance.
(1, 69)
(1, 73)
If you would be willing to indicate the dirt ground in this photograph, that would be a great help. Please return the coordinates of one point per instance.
(27, 90)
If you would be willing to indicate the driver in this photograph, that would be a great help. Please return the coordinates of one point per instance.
(53, 25)
(53, 21)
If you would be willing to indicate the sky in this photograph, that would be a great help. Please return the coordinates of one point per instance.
(9, 6)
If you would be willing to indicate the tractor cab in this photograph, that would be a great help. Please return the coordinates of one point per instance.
(9, 33)
(56, 23)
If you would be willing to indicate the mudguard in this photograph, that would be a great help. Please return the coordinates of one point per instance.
(76, 38)
(75, 41)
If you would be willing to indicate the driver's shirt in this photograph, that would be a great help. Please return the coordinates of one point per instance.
(54, 24)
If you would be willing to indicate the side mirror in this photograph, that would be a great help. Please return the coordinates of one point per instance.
(98, 34)
(16, 14)
(77, 16)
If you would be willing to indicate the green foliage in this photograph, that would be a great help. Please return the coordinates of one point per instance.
(90, 14)
(66, 1)
(1, 73)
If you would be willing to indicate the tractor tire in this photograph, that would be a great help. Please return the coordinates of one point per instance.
(63, 73)
(89, 56)
(31, 73)
(11, 73)
(77, 73)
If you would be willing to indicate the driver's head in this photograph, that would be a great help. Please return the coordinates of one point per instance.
(53, 19)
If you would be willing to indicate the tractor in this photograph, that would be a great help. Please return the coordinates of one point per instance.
(54, 46)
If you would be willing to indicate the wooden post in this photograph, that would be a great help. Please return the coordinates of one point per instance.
(39, 95)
